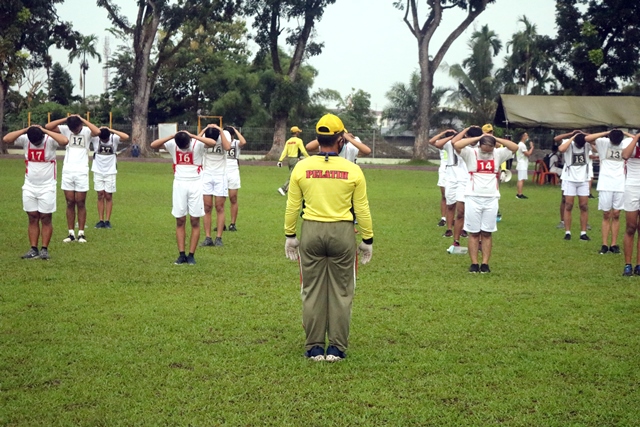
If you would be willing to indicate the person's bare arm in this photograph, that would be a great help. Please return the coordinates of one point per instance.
(53, 126)
(123, 136)
(312, 145)
(567, 135)
(363, 150)
(629, 149)
(593, 136)
(565, 145)
(160, 141)
(241, 140)
(207, 141)
(93, 128)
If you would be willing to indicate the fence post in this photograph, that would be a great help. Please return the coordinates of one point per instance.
(373, 151)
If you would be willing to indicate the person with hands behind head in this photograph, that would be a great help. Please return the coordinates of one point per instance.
(482, 194)
(610, 187)
(215, 186)
(353, 149)
(105, 149)
(187, 153)
(233, 172)
(631, 155)
(292, 150)
(330, 185)
(575, 181)
(39, 189)
(75, 169)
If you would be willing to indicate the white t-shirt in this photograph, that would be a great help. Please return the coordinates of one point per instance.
(233, 155)
(187, 164)
(76, 158)
(523, 160)
(443, 161)
(483, 170)
(611, 176)
(40, 160)
(104, 160)
(215, 158)
(633, 168)
(349, 152)
(576, 163)
(456, 168)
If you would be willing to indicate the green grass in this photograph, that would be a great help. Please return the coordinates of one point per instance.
(112, 333)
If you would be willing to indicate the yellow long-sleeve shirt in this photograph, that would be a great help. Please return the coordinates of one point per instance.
(329, 189)
(291, 148)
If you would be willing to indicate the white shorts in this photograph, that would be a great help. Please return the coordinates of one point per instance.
(102, 182)
(454, 192)
(573, 188)
(215, 185)
(442, 178)
(75, 181)
(39, 198)
(632, 198)
(608, 200)
(233, 179)
(480, 214)
(523, 174)
(187, 198)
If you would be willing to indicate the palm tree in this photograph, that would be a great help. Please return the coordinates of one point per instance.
(478, 88)
(87, 47)
(528, 62)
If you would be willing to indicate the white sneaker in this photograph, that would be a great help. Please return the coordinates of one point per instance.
(69, 238)
(82, 239)
(560, 225)
(281, 191)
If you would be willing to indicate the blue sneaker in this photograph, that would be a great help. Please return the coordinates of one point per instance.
(316, 354)
(636, 270)
(628, 270)
(334, 354)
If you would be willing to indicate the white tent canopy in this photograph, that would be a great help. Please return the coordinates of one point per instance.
(568, 112)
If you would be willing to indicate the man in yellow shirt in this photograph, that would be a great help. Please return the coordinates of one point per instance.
(293, 149)
(329, 185)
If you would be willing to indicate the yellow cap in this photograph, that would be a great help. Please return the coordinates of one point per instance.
(487, 128)
(329, 124)
(296, 129)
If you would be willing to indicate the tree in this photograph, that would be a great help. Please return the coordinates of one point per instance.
(61, 91)
(356, 111)
(178, 23)
(429, 64)
(268, 15)
(478, 89)
(86, 47)
(597, 47)
(29, 28)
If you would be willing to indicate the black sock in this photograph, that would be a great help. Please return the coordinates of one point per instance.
(182, 253)
(44, 247)
(35, 248)
(190, 254)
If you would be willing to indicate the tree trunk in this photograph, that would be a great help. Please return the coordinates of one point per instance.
(421, 145)
(3, 95)
(279, 138)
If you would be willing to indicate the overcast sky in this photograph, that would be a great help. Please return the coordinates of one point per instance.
(367, 44)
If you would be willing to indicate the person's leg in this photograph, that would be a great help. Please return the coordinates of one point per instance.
(562, 208)
(519, 186)
(450, 215)
(101, 205)
(631, 227)
(459, 222)
(180, 233)
(82, 209)
(34, 228)
(487, 244)
(108, 199)
(314, 292)
(219, 202)
(195, 234)
(47, 228)
(443, 204)
(341, 282)
(606, 226)
(70, 197)
(208, 208)
(474, 239)
(568, 207)
(233, 200)
(583, 201)
(615, 227)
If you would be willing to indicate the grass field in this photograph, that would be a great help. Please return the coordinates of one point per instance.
(112, 333)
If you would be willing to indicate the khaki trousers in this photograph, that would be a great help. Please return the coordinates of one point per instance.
(328, 271)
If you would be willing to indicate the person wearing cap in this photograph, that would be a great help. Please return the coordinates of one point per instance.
(522, 165)
(39, 189)
(329, 185)
(293, 149)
